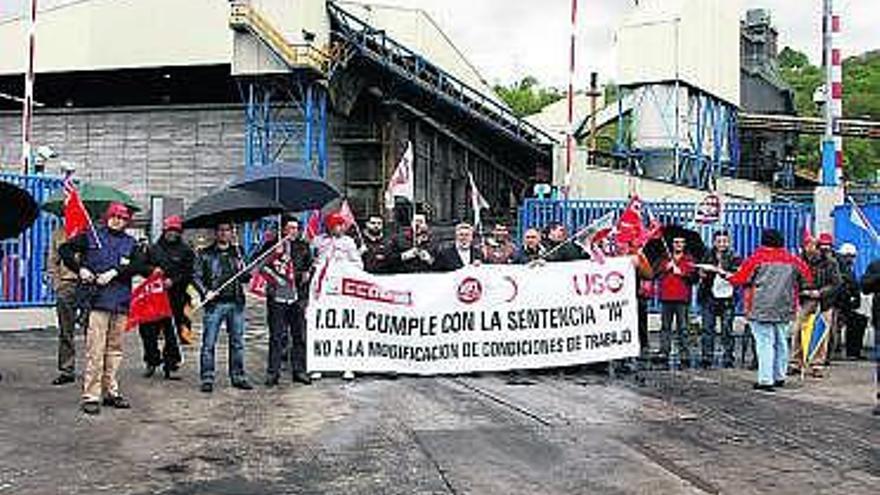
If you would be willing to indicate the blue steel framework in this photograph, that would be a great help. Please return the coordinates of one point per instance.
(23, 282)
(707, 118)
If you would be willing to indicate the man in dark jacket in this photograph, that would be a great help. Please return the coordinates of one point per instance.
(215, 266)
(826, 281)
(559, 247)
(287, 276)
(462, 252)
(412, 250)
(498, 249)
(871, 286)
(716, 298)
(848, 300)
(174, 259)
(532, 250)
(105, 260)
(376, 252)
(772, 276)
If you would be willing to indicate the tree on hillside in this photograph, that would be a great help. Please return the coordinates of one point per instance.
(527, 97)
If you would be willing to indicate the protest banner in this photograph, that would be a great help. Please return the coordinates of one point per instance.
(478, 318)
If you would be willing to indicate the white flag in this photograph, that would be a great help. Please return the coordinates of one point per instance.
(478, 202)
(401, 183)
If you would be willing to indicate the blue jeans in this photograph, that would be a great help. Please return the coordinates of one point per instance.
(771, 345)
(233, 315)
(712, 309)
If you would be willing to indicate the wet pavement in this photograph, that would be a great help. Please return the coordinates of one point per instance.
(652, 432)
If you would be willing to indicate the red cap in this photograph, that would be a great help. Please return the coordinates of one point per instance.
(174, 222)
(826, 239)
(117, 210)
(334, 219)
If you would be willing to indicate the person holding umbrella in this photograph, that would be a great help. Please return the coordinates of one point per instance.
(216, 270)
(676, 275)
(106, 260)
(174, 259)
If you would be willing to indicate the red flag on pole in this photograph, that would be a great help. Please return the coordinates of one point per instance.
(149, 301)
(630, 227)
(76, 218)
(347, 215)
(313, 226)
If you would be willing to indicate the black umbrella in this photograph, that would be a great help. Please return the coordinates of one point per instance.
(230, 206)
(655, 249)
(18, 210)
(294, 187)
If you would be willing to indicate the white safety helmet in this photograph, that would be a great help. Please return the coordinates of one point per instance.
(848, 249)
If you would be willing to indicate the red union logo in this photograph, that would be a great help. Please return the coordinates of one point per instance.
(362, 289)
(597, 283)
(470, 290)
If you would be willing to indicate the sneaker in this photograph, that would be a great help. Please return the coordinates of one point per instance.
(63, 379)
(763, 387)
(315, 375)
(302, 378)
(117, 402)
(150, 371)
(348, 375)
(271, 381)
(242, 384)
(207, 387)
(91, 407)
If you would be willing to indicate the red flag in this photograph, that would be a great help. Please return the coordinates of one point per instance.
(76, 218)
(347, 215)
(257, 284)
(630, 227)
(149, 301)
(313, 226)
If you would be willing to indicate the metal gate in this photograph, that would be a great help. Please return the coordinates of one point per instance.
(23, 278)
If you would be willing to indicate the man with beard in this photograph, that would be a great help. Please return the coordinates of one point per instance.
(461, 253)
(175, 260)
(498, 249)
(376, 253)
(715, 296)
(413, 251)
(106, 260)
(558, 247)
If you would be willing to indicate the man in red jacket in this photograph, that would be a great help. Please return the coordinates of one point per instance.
(676, 276)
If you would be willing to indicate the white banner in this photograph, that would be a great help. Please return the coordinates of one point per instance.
(483, 318)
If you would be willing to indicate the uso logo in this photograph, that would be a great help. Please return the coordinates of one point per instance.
(470, 290)
(597, 283)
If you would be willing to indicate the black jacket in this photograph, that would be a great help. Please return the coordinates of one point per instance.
(448, 259)
(214, 267)
(871, 285)
(568, 252)
(728, 261)
(849, 295)
(378, 255)
(402, 243)
(176, 259)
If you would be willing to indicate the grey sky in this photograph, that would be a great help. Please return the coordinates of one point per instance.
(508, 39)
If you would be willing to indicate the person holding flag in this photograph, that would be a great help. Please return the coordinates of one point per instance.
(772, 276)
(175, 260)
(106, 260)
(64, 282)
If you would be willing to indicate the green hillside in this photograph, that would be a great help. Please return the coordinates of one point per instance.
(861, 100)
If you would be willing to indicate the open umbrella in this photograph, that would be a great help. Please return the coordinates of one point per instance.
(294, 187)
(96, 198)
(18, 210)
(655, 249)
(232, 206)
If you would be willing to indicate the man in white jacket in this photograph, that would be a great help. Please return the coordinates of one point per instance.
(336, 247)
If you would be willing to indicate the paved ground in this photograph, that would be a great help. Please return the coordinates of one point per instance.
(653, 433)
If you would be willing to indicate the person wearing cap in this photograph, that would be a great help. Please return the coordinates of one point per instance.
(174, 259)
(847, 302)
(335, 246)
(105, 260)
(819, 257)
(462, 252)
(772, 276)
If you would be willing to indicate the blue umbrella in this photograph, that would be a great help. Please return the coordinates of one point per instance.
(294, 187)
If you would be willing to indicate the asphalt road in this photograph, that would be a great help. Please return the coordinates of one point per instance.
(654, 432)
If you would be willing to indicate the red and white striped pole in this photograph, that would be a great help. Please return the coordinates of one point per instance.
(569, 131)
(833, 62)
(27, 115)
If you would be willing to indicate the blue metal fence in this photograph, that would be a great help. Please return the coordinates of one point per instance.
(846, 231)
(744, 221)
(23, 279)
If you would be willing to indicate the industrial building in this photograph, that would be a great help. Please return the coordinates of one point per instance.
(173, 99)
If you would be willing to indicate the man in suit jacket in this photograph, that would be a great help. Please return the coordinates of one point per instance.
(462, 252)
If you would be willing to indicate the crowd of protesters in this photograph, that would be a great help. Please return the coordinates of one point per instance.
(93, 274)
